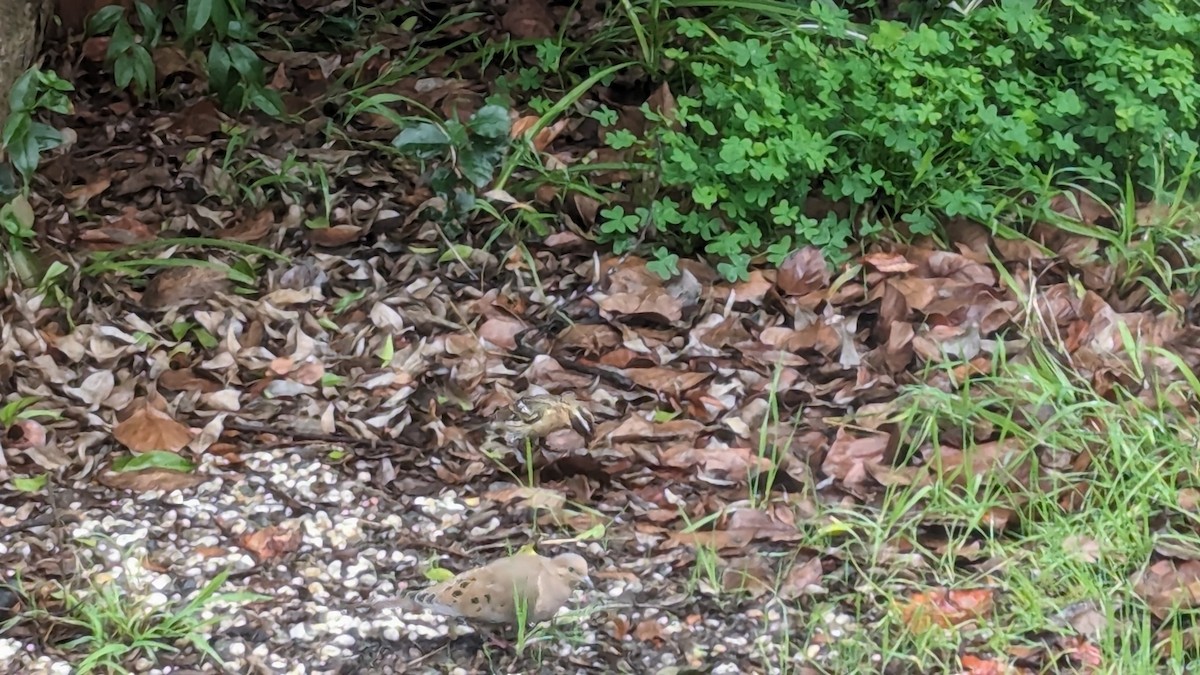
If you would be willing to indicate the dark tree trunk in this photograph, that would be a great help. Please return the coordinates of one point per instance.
(21, 23)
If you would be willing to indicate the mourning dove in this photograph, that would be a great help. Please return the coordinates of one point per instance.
(492, 594)
(539, 416)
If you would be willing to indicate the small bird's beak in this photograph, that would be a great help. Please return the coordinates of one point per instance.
(587, 581)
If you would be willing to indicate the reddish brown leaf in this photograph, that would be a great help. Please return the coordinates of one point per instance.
(1080, 206)
(270, 542)
(186, 379)
(150, 479)
(946, 608)
(753, 289)
(850, 456)
(338, 235)
(502, 331)
(889, 263)
(1166, 586)
(801, 578)
(803, 272)
(654, 301)
(148, 429)
(529, 20)
(650, 630)
(973, 665)
(181, 285)
(666, 380)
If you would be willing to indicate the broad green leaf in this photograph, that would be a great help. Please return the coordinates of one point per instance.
(30, 484)
(198, 13)
(422, 139)
(491, 121)
(438, 574)
(105, 19)
(456, 253)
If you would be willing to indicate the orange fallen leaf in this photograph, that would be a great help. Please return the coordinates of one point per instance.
(651, 631)
(149, 429)
(946, 608)
(270, 542)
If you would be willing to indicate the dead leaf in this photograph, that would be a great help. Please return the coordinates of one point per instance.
(176, 286)
(666, 380)
(149, 429)
(946, 608)
(650, 630)
(150, 479)
(270, 542)
(529, 20)
(1165, 586)
(338, 235)
(804, 272)
(1081, 206)
(849, 456)
(801, 578)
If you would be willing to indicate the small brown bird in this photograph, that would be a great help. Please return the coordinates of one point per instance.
(539, 416)
(493, 593)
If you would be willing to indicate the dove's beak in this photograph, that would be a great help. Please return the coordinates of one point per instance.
(587, 581)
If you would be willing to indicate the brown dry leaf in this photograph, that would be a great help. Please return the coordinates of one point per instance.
(804, 272)
(1000, 459)
(753, 289)
(666, 380)
(169, 60)
(776, 524)
(81, 195)
(662, 101)
(849, 457)
(973, 665)
(150, 479)
(547, 135)
(751, 575)
(96, 48)
(961, 268)
(177, 286)
(946, 608)
(638, 428)
(186, 379)
(522, 124)
(529, 20)
(651, 302)
(198, 121)
(123, 230)
(732, 464)
(1080, 206)
(530, 497)
(1083, 652)
(251, 229)
(270, 542)
(338, 235)
(889, 263)
(719, 540)
(801, 578)
(149, 429)
(502, 331)
(1165, 586)
(650, 630)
